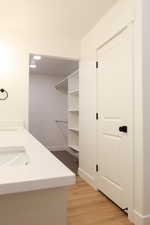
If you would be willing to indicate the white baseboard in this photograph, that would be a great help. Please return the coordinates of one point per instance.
(85, 176)
(141, 220)
(138, 218)
(57, 148)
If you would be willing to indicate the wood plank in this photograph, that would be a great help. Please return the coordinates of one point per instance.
(89, 207)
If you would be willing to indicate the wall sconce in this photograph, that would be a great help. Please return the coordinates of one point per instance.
(3, 94)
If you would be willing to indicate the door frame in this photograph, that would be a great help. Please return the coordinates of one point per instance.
(130, 27)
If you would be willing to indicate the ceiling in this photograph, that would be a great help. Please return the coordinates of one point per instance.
(53, 66)
(68, 18)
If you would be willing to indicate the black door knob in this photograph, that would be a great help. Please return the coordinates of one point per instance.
(123, 129)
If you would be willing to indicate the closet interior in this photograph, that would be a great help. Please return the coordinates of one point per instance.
(54, 107)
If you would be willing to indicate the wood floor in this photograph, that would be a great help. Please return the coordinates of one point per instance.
(88, 207)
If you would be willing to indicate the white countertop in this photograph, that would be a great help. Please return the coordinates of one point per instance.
(44, 170)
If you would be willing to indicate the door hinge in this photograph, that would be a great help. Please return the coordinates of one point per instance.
(96, 167)
(97, 117)
(96, 64)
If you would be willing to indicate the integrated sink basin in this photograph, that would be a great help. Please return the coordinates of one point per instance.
(13, 156)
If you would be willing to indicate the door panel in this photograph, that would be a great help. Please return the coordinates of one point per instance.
(114, 89)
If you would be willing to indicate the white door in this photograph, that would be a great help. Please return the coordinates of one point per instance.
(114, 126)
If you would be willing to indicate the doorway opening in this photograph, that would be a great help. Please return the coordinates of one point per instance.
(53, 106)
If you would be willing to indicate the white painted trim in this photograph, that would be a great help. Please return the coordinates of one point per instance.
(141, 220)
(130, 27)
(138, 189)
(85, 176)
(75, 73)
(115, 33)
(57, 148)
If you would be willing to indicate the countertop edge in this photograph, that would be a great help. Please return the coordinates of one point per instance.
(36, 185)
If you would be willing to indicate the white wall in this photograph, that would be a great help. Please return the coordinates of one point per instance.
(118, 17)
(48, 104)
(13, 78)
(20, 35)
(121, 14)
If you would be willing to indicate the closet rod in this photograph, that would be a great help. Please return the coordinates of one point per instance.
(61, 121)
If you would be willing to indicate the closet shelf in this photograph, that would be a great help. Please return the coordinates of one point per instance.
(74, 92)
(75, 147)
(74, 129)
(62, 84)
(73, 110)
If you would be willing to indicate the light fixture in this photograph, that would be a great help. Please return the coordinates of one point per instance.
(33, 66)
(37, 57)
